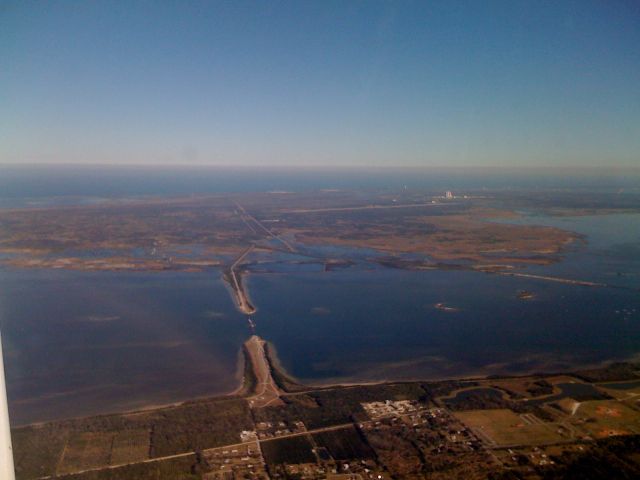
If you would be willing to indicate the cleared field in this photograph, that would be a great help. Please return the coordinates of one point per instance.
(37, 450)
(288, 450)
(504, 427)
(86, 450)
(130, 446)
(604, 418)
(344, 444)
(173, 469)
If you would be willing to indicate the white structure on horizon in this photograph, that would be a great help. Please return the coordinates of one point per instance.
(448, 194)
(6, 452)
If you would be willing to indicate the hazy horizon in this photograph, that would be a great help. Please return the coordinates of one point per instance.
(467, 169)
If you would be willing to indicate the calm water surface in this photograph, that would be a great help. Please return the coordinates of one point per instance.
(383, 325)
(78, 343)
(612, 252)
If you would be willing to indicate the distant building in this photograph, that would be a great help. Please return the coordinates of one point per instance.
(449, 194)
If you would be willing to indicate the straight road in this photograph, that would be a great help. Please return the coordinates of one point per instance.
(243, 302)
(367, 207)
(265, 229)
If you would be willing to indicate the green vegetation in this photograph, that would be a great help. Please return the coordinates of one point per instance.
(344, 444)
(86, 450)
(615, 372)
(37, 449)
(107, 447)
(433, 390)
(288, 450)
(487, 399)
(199, 425)
(336, 406)
(539, 388)
(608, 417)
(182, 468)
(115, 439)
(504, 427)
(615, 457)
(130, 446)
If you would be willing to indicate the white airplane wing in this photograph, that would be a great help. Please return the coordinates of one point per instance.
(6, 452)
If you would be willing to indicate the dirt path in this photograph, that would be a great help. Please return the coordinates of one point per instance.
(267, 391)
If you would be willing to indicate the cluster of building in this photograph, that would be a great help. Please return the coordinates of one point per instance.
(447, 431)
(389, 408)
(266, 430)
(236, 462)
(436, 427)
(330, 469)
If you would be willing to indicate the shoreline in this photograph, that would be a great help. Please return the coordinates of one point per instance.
(355, 382)
(333, 383)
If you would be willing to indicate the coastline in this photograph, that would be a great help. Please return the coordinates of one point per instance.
(334, 383)
(338, 382)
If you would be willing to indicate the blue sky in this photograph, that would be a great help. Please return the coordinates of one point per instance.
(305, 83)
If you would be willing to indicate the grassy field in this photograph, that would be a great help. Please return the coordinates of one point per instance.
(504, 427)
(183, 468)
(604, 418)
(38, 449)
(130, 446)
(86, 450)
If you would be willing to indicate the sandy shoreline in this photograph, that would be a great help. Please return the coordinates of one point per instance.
(328, 384)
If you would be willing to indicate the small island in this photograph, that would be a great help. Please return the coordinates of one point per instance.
(446, 308)
(526, 295)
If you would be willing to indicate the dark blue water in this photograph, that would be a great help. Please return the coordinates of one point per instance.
(580, 392)
(359, 325)
(78, 343)
(382, 324)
